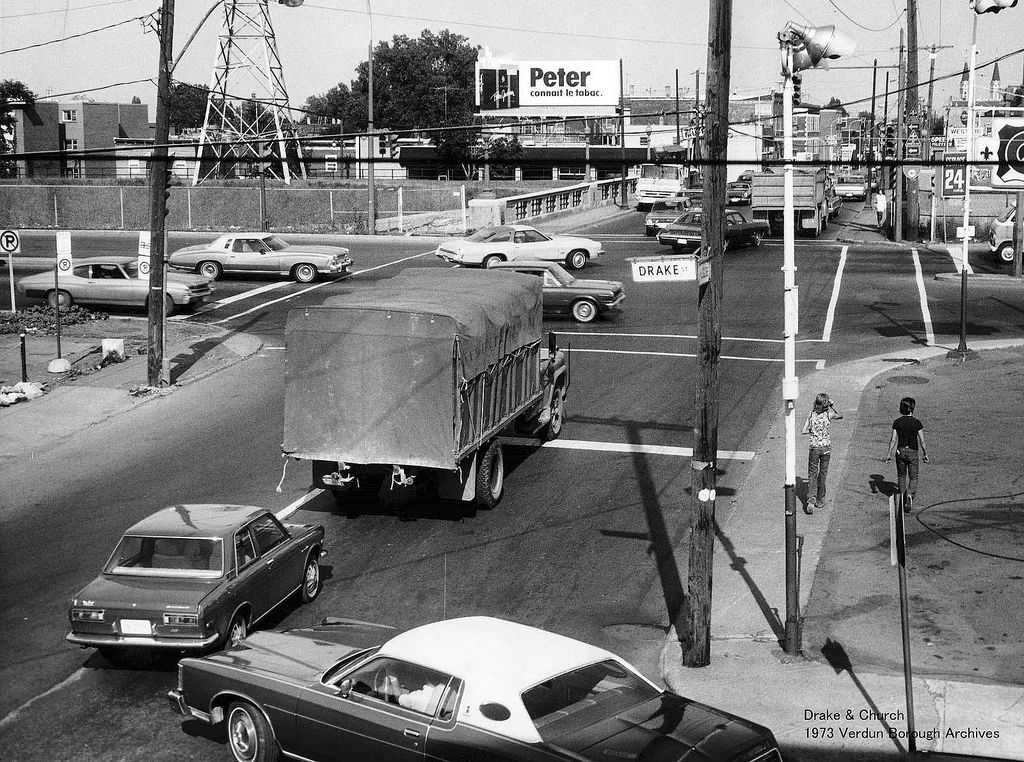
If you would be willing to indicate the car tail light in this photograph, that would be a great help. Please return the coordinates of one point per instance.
(87, 615)
(187, 620)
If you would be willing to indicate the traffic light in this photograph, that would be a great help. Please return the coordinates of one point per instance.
(889, 149)
(382, 145)
(797, 81)
(991, 6)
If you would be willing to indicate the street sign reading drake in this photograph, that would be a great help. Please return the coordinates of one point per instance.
(547, 83)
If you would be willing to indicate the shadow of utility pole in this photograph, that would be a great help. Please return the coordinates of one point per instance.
(739, 564)
(661, 544)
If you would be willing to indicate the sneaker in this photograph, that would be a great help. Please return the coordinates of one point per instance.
(809, 508)
(908, 503)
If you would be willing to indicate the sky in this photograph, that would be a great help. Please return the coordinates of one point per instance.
(321, 42)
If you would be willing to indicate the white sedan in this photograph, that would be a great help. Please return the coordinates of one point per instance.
(504, 243)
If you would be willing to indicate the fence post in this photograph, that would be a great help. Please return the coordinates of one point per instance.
(120, 192)
(464, 220)
(401, 210)
(56, 224)
(188, 205)
(330, 202)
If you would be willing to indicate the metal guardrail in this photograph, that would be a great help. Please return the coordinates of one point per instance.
(572, 198)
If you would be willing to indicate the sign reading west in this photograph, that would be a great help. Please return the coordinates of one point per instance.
(546, 83)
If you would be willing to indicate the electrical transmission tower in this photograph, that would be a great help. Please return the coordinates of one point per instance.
(247, 130)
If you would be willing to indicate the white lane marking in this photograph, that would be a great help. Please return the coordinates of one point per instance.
(239, 297)
(820, 365)
(678, 354)
(581, 444)
(666, 336)
(320, 285)
(956, 253)
(75, 676)
(826, 335)
(929, 331)
(288, 510)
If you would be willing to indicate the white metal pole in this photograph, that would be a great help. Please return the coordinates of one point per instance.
(401, 211)
(465, 221)
(962, 349)
(790, 387)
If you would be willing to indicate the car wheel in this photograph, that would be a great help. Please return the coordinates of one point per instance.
(576, 260)
(1005, 252)
(211, 270)
(304, 273)
(756, 240)
(250, 736)
(584, 310)
(650, 231)
(237, 630)
(492, 259)
(62, 297)
(490, 476)
(557, 410)
(168, 305)
(311, 577)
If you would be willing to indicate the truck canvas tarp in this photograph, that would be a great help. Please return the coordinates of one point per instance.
(417, 371)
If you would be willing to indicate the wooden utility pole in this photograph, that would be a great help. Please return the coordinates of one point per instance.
(698, 133)
(679, 138)
(901, 115)
(622, 134)
(158, 176)
(913, 114)
(695, 633)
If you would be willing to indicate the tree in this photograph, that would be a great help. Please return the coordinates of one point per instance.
(835, 103)
(10, 90)
(187, 106)
(418, 84)
(332, 105)
(136, 100)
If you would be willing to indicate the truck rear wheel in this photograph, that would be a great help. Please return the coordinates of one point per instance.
(557, 411)
(490, 476)
(1005, 253)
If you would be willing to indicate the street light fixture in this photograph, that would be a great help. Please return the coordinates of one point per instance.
(586, 148)
(803, 47)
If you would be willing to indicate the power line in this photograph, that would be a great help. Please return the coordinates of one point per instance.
(66, 10)
(866, 28)
(534, 30)
(74, 36)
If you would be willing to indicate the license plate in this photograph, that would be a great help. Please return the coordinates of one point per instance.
(136, 627)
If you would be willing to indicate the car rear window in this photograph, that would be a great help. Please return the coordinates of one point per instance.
(145, 556)
(584, 696)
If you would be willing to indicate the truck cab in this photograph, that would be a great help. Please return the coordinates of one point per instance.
(1000, 235)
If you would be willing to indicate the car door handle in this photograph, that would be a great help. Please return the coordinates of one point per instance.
(410, 733)
(270, 561)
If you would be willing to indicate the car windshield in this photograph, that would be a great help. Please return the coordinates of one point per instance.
(275, 243)
(586, 695)
(662, 206)
(852, 180)
(690, 218)
(1005, 216)
(143, 556)
(486, 234)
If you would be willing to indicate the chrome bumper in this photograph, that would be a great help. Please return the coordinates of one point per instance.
(139, 641)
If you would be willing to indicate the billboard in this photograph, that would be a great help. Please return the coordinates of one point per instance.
(509, 85)
(1004, 149)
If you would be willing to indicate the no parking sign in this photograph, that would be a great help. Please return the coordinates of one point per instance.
(64, 263)
(144, 247)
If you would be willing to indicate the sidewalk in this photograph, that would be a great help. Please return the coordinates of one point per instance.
(86, 396)
(749, 673)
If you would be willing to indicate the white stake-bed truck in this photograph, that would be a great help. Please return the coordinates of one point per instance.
(410, 384)
(814, 200)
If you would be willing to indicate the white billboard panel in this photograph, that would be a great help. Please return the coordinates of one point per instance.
(546, 83)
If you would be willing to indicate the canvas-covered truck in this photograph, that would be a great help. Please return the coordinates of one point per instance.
(813, 200)
(409, 385)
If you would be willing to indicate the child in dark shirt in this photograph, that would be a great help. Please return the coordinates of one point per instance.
(906, 442)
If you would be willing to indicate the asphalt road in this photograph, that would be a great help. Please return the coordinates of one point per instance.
(623, 514)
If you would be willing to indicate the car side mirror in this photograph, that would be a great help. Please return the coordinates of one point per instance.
(345, 687)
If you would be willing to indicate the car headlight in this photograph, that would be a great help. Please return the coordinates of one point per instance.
(87, 615)
(187, 620)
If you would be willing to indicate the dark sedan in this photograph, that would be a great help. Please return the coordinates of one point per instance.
(473, 688)
(687, 231)
(564, 294)
(192, 577)
(737, 193)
